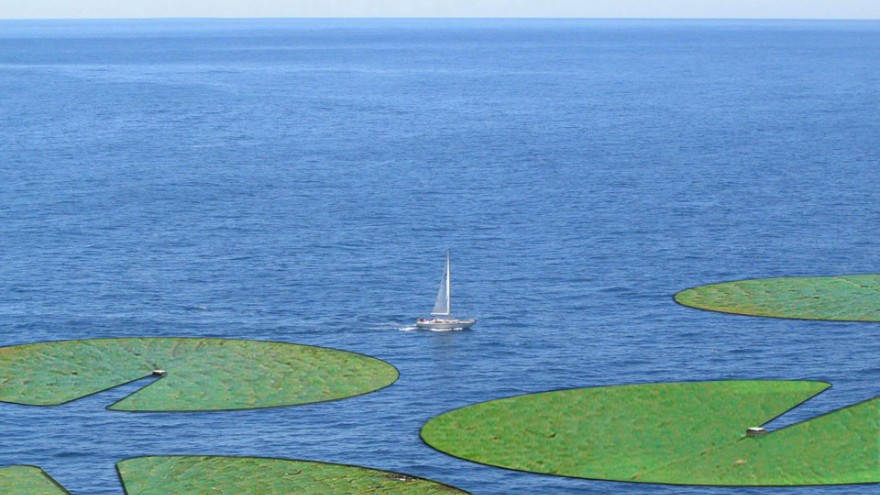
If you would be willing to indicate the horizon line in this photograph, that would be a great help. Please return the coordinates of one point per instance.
(439, 18)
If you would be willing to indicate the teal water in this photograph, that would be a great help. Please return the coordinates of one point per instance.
(300, 180)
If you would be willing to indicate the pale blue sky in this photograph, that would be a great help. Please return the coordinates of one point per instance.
(773, 9)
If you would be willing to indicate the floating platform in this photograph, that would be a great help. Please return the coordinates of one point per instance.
(186, 475)
(202, 374)
(840, 298)
(670, 433)
(28, 480)
(179, 475)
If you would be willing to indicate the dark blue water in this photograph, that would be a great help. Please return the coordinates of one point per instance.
(300, 181)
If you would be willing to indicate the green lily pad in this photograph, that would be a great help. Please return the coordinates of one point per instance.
(844, 298)
(675, 433)
(197, 374)
(28, 480)
(186, 475)
(183, 475)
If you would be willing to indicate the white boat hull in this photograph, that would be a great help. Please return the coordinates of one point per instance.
(445, 323)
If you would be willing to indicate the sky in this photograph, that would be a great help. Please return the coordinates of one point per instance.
(709, 9)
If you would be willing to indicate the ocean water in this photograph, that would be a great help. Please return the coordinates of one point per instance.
(300, 180)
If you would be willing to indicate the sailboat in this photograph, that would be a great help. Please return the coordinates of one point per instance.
(441, 315)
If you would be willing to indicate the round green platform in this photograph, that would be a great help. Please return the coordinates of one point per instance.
(28, 480)
(673, 433)
(199, 374)
(843, 298)
(186, 475)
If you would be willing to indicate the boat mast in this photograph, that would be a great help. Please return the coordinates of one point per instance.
(448, 285)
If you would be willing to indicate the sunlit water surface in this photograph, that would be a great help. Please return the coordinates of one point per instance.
(300, 180)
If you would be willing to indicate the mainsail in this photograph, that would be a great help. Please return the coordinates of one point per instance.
(443, 306)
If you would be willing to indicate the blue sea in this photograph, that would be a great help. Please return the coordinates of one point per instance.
(301, 180)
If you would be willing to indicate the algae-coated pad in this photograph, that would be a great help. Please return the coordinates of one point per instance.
(190, 374)
(842, 298)
(671, 433)
(187, 475)
(28, 480)
(190, 475)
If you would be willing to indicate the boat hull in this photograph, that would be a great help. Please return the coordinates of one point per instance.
(445, 323)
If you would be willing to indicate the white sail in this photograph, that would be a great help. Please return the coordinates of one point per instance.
(443, 306)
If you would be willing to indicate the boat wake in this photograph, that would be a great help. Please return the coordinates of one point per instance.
(410, 328)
